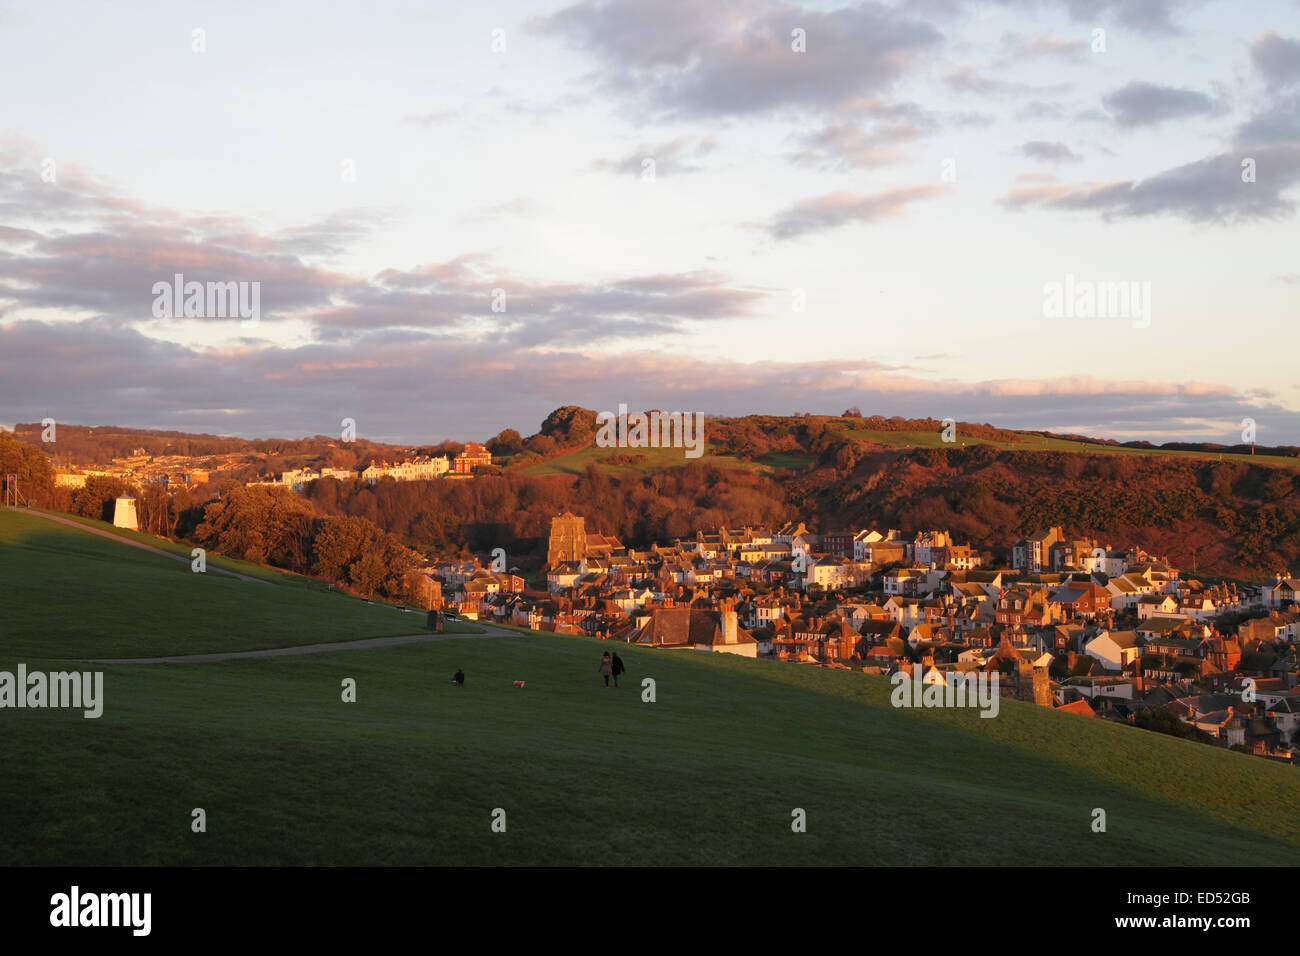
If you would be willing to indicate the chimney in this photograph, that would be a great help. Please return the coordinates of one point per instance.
(729, 627)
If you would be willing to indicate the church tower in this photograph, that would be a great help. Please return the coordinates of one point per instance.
(568, 540)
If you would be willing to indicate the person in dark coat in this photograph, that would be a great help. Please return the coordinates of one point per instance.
(606, 667)
(616, 667)
(459, 678)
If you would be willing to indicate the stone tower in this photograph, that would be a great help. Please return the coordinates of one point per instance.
(568, 540)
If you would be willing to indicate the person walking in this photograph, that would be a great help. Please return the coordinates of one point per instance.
(616, 667)
(606, 667)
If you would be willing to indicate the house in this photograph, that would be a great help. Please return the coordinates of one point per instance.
(921, 549)
(957, 557)
(831, 571)
(905, 610)
(816, 638)
(1127, 589)
(471, 457)
(1081, 599)
(1115, 650)
(1032, 554)
(564, 575)
(862, 541)
(905, 581)
(1158, 605)
(1067, 638)
(697, 629)
(1073, 556)
(878, 632)
(1079, 707)
(1023, 606)
(1119, 688)
(884, 552)
(838, 543)
(1282, 592)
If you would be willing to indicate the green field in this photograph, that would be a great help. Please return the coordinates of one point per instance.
(934, 439)
(657, 459)
(79, 594)
(213, 560)
(412, 772)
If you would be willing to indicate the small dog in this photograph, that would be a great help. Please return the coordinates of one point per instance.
(519, 684)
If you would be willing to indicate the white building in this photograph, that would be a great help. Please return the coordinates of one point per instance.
(417, 469)
(124, 514)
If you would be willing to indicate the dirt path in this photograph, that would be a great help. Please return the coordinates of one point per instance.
(137, 544)
(361, 645)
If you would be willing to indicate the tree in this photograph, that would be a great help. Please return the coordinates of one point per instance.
(30, 464)
(355, 552)
(507, 443)
(96, 498)
(266, 525)
(570, 425)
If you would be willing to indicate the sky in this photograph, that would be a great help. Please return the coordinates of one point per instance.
(458, 217)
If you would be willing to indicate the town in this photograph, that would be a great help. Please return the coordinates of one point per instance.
(1113, 633)
(172, 471)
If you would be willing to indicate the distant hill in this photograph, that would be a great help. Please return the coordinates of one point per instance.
(1217, 513)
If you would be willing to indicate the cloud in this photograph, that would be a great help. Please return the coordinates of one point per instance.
(819, 213)
(1040, 109)
(389, 382)
(471, 298)
(87, 247)
(1021, 46)
(735, 57)
(1147, 104)
(850, 146)
(1144, 16)
(519, 206)
(1049, 152)
(436, 118)
(970, 78)
(1279, 123)
(1208, 190)
(100, 253)
(675, 156)
(1276, 57)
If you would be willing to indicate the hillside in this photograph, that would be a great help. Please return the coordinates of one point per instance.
(73, 594)
(1211, 518)
(1217, 512)
(412, 772)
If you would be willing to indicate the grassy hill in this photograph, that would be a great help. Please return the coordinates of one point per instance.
(1031, 442)
(649, 460)
(77, 594)
(412, 772)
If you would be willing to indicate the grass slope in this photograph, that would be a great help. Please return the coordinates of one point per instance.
(709, 773)
(1030, 442)
(273, 575)
(72, 594)
(658, 459)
